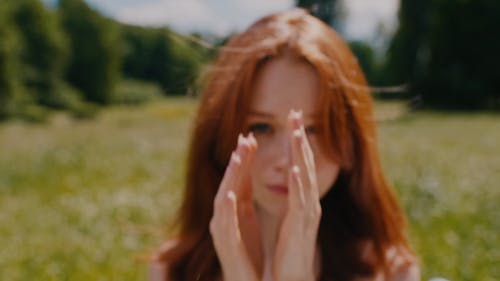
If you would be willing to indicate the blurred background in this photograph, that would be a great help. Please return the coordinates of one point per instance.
(97, 99)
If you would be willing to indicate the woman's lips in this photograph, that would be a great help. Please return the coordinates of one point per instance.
(278, 188)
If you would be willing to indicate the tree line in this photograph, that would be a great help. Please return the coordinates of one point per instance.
(72, 57)
(445, 51)
(448, 50)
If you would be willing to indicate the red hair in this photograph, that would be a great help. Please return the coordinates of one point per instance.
(359, 208)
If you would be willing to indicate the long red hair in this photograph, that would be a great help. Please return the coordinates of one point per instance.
(360, 207)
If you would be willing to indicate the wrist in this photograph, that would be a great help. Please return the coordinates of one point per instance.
(238, 276)
(307, 278)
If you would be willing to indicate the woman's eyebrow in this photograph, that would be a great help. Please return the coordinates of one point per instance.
(270, 115)
(260, 113)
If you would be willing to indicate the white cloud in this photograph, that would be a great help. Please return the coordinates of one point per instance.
(223, 16)
(364, 16)
(241, 13)
(217, 16)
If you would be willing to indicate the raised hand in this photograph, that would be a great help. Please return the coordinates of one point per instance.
(234, 227)
(295, 251)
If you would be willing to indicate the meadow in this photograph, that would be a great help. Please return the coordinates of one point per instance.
(86, 199)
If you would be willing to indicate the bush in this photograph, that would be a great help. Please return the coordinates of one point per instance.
(94, 64)
(159, 55)
(11, 93)
(129, 91)
(43, 51)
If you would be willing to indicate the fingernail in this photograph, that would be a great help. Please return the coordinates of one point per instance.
(231, 195)
(293, 114)
(235, 158)
(240, 139)
(297, 133)
(252, 139)
(296, 114)
(299, 114)
(297, 119)
(295, 169)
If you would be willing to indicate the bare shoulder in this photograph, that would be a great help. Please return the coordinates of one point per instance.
(158, 269)
(403, 264)
(407, 272)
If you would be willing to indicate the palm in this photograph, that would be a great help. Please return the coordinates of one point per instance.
(249, 227)
(295, 248)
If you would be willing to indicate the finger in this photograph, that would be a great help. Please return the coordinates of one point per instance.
(243, 184)
(225, 227)
(298, 157)
(232, 175)
(310, 172)
(298, 124)
(229, 178)
(302, 156)
(296, 199)
(238, 251)
(232, 218)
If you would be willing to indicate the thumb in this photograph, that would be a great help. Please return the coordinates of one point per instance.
(242, 268)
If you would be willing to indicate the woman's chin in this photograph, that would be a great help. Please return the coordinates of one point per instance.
(274, 209)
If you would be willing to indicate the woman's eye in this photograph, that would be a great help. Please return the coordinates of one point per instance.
(311, 130)
(259, 128)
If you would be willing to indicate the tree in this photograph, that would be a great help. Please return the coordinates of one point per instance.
(461, 69)
(11, 93)
(94, 64)
(147, 54)
(161, 56)
(186, 64)
(329, 11)
(366, 58)
(43, 51)
(447, 50)
(408, 42)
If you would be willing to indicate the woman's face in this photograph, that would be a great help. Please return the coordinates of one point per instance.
(282, 84)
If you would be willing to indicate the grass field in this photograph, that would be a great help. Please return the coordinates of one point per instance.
(82, 200)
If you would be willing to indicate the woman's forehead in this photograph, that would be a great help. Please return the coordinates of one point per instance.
(284, 83)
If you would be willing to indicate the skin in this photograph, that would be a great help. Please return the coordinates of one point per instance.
(261, 234)
(267, 209)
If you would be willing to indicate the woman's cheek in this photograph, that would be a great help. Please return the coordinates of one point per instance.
(326, 169)
(327, 173)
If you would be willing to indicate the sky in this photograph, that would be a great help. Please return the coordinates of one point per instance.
(221, 17)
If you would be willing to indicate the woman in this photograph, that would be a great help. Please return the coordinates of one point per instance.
(284, 180)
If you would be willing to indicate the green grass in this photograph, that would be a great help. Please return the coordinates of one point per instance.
(446, 169)
(81, 200)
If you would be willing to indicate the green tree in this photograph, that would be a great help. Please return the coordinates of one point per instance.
(43, 52)
(366, 58)
(461, 58)
(161, 56)
(147, 54)
(409, 41)
(95, 60)
(186, 64)
(329, 11)
(11, 93)
(446, 50)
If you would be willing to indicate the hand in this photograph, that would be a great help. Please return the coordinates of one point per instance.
(234, 227)
(295, 251)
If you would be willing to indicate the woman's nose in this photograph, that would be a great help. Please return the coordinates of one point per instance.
(281, 148)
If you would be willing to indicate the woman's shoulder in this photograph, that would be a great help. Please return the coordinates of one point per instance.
(406, 272)
(158, 269)
(403, 264)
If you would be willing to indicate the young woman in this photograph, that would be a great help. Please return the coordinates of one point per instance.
(284, 180)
